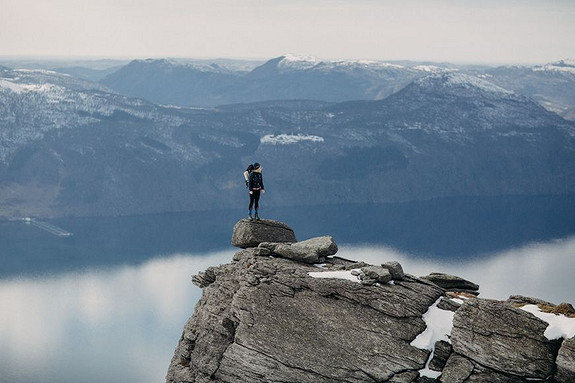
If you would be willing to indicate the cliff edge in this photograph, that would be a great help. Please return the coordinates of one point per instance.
(287, 311)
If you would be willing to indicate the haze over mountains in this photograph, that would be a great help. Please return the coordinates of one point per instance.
(75, 147)
(294, 77)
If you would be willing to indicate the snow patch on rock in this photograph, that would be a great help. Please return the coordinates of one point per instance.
(439, 326)
(560, 326)
(339, 274)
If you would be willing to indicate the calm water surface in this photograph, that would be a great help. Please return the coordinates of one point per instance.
(109, 303)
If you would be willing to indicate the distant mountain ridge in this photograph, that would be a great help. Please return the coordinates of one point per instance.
(169, 82)
(552, 85)
(285, 77)
(301, 77)
(70, 147)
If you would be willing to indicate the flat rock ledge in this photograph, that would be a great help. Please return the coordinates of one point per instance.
(271, 317)
(453, 283)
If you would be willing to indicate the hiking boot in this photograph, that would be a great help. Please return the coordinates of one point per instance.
(257, 217)
(250, 217)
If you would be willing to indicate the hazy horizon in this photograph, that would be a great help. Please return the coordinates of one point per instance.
(120, 59)
(486, 32)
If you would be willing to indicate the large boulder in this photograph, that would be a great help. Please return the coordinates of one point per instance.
(251, 233)
(395, 270)
(503, 338)
(566, 361)
(314, 250)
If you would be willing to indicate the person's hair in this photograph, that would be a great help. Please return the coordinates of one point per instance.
(250, 168)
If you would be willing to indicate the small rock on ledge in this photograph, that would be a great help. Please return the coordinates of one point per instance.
(452, 282)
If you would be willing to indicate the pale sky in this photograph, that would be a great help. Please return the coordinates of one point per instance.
(492, 31)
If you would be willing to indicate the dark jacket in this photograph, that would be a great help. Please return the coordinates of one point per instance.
(256, 181)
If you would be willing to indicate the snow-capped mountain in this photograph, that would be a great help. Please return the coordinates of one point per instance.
(564, 66)
(439, 125)
(552, 85)
(287, 77)
(36, 102)
(74, 148)
(459, 84)
(292, 77)
(293, 63)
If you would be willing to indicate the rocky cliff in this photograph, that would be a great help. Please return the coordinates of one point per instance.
(287, 311)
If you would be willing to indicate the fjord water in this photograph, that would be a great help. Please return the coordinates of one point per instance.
(109, 303)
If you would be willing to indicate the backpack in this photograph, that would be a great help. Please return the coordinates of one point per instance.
(256, 180)
(247, 176)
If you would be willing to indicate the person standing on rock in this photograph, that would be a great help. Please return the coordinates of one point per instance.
(255, 186)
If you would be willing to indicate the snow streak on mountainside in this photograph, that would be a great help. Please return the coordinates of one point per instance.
(294, 62)
(567, 66)
(297, 63)
(456, 82)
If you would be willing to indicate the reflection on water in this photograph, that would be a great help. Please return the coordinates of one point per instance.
(543, 270)
(118, 325)
(122, 324)
(452, 228)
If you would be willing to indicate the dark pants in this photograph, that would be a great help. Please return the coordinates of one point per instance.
(254, 197)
